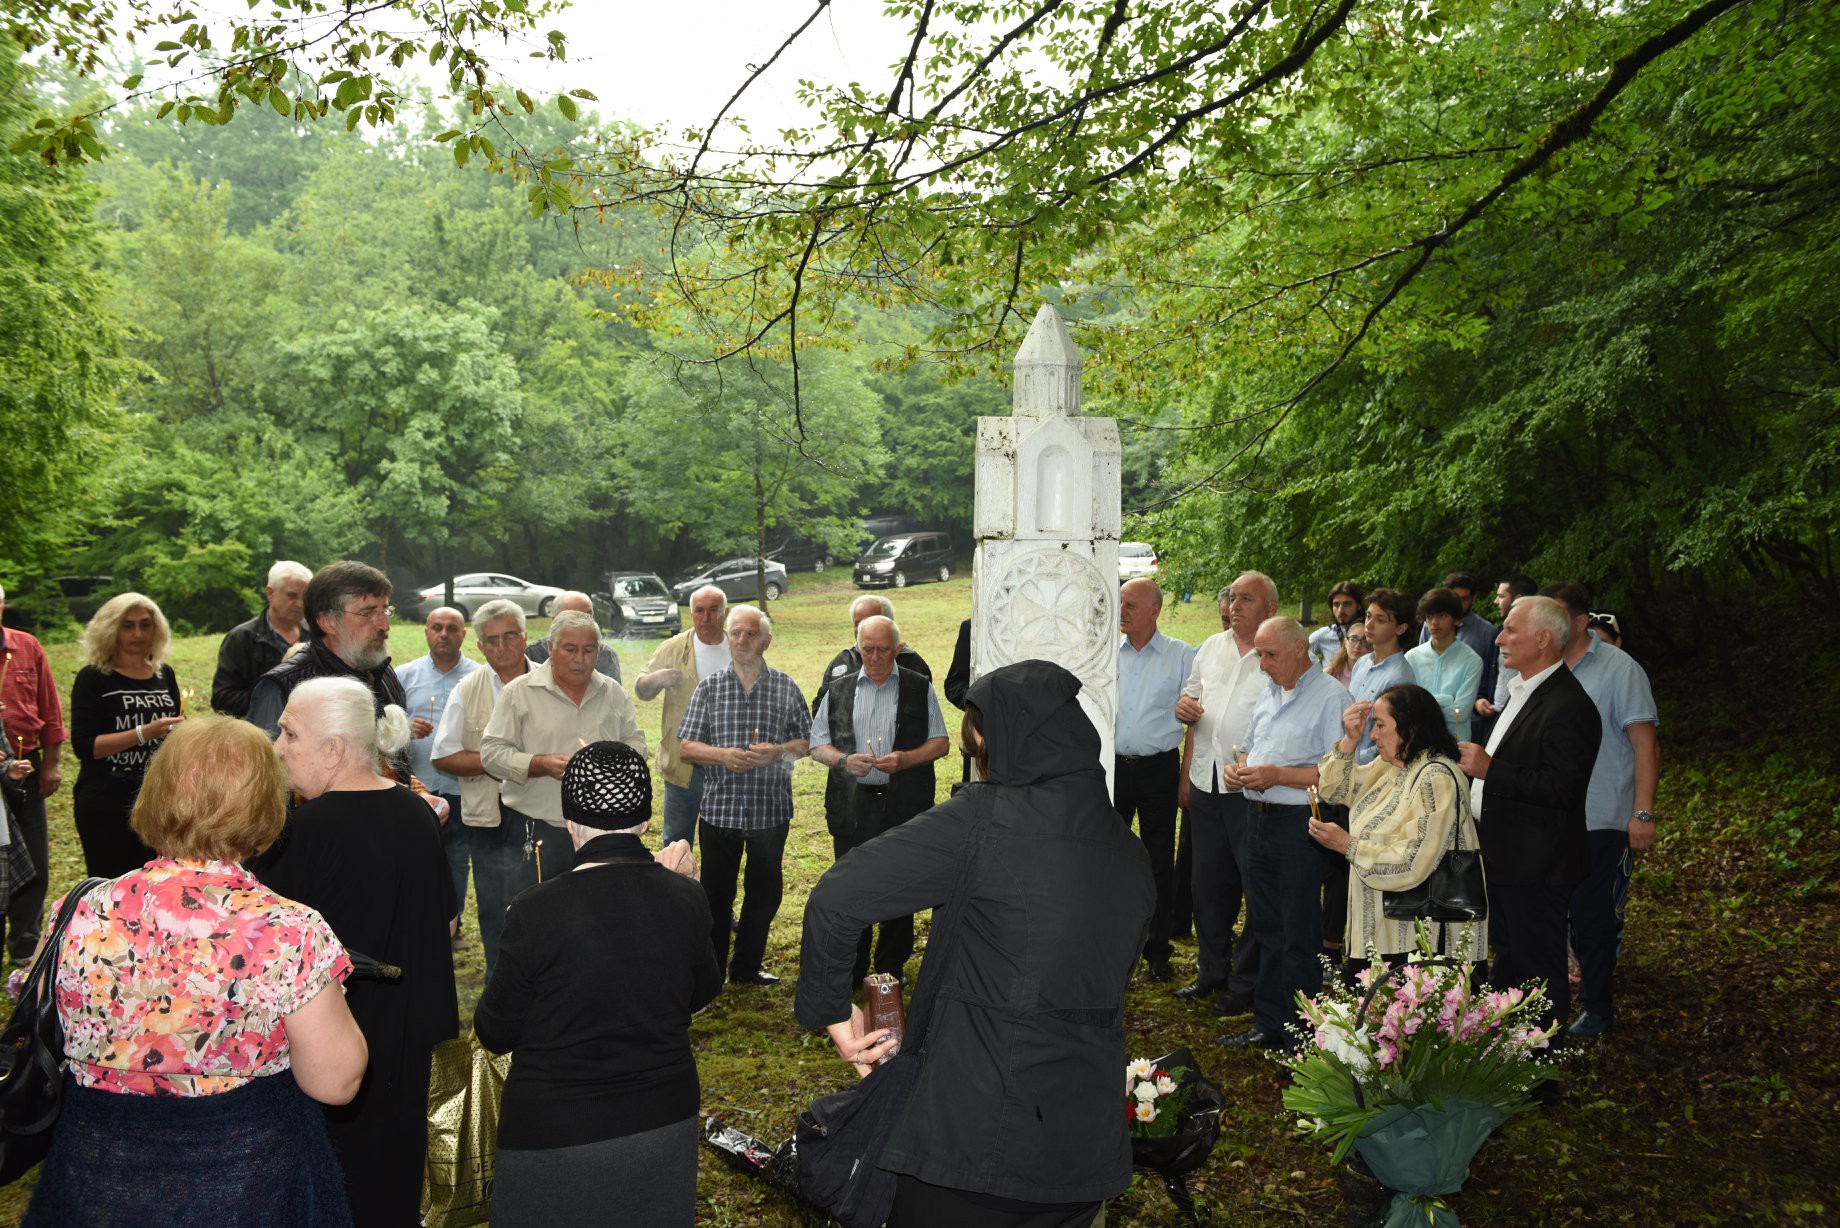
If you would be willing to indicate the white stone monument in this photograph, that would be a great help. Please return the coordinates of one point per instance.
(1045, 573)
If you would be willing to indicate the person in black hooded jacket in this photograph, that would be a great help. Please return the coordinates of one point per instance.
(1017, 1117)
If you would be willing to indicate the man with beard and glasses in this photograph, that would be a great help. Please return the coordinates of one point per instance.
(347, 621)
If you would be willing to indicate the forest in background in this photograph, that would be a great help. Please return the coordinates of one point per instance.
(236, 341)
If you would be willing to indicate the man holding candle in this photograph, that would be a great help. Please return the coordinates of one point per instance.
(748, 724)
(849, 660)
(879, 730)
(540, 720)
(1296, 720)
(32, 715)
(429, 681)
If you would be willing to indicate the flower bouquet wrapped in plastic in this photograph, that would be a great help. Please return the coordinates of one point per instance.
(1175, 1120)
(1413, 1070)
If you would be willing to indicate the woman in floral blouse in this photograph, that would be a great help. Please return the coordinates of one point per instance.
(203, 1014)
(1402, 808)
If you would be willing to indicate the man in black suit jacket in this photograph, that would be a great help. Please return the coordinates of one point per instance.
(1528, 793)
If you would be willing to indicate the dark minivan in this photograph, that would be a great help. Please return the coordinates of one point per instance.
(905, 558)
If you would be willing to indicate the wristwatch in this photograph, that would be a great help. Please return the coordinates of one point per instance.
(1644, 816)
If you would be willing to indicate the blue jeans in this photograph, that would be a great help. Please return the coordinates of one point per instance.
(497, 856)
(681, 804)
(1285, 908)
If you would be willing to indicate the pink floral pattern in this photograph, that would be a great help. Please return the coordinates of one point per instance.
(175, 979)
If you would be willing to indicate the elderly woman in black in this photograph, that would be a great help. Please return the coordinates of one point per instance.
(598, 974)
(1017, 1115)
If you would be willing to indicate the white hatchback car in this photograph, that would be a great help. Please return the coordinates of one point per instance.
(1135, 559)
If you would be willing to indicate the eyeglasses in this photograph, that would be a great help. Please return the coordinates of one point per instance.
(1609, 620)
(370, 613)
(493, 641)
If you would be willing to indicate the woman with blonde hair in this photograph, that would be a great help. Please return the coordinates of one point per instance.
(123, 703)
(202, 1015)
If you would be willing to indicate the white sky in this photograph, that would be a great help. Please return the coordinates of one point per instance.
(672, 65)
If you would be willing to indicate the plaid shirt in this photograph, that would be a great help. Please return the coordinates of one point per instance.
(724, 713)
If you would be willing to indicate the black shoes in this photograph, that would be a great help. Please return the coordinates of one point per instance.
(1588, 1025)
(1197, 989)
(1255, 1037)
(755, 977)
(1231, 1005)
(1159, 971)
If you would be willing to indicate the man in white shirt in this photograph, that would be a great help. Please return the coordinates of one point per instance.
(674, 670)
(494, 847)
(1216, 705)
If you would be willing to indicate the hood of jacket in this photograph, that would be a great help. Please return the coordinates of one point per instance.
(1033, 723)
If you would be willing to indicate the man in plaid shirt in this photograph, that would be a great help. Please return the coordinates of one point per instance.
(750, 724)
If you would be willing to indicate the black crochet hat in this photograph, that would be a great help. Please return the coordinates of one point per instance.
(607, 786)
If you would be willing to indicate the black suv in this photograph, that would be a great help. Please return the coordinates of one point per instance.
(638, 603)
(904, 559)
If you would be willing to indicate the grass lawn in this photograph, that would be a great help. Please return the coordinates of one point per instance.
(1714, 1101)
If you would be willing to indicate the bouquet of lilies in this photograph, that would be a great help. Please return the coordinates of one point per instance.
(1414, 1068)
(1154, 1098)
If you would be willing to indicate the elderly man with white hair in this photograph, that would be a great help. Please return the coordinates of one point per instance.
(607, 661)
(879, 730)
(1296, 720)
(849, 660)
(748, 724)
(674, 671)
(540, 720)
(253, 648)
(1529, 791)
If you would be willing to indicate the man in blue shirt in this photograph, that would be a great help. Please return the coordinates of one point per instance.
(1346, 601)
(878, 729)
(427, 683)
(1148, 742)
(1618, 808)
(1296, 721)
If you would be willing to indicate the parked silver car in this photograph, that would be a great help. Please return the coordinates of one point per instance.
(738, 578)
(1136, 559)
(476, 588)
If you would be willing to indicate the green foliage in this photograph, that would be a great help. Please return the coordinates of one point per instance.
(62, 358)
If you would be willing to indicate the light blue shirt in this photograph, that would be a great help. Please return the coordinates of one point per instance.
(1619, 687)
(1453, 679)
(873, 720)
(1325, 642)
(428, 690)
(1366, 684)
(1149, 683)
(1297, 732)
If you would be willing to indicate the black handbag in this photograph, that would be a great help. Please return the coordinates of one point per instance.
(840, 1138)
(32, 1056)
(1454, 891)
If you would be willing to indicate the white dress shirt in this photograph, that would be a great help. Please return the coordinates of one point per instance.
(1518, 691)
(1227, 682)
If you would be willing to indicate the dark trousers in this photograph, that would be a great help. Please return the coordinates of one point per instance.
(25, 913)
(551, 851)
(1182, 907)
(893, 948)
(496, 855)
(1286, 910)
(723, 848)
(1597, 918)
(1218, 821)
(1144, 787)
(1335, 885)
(1527, 930)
